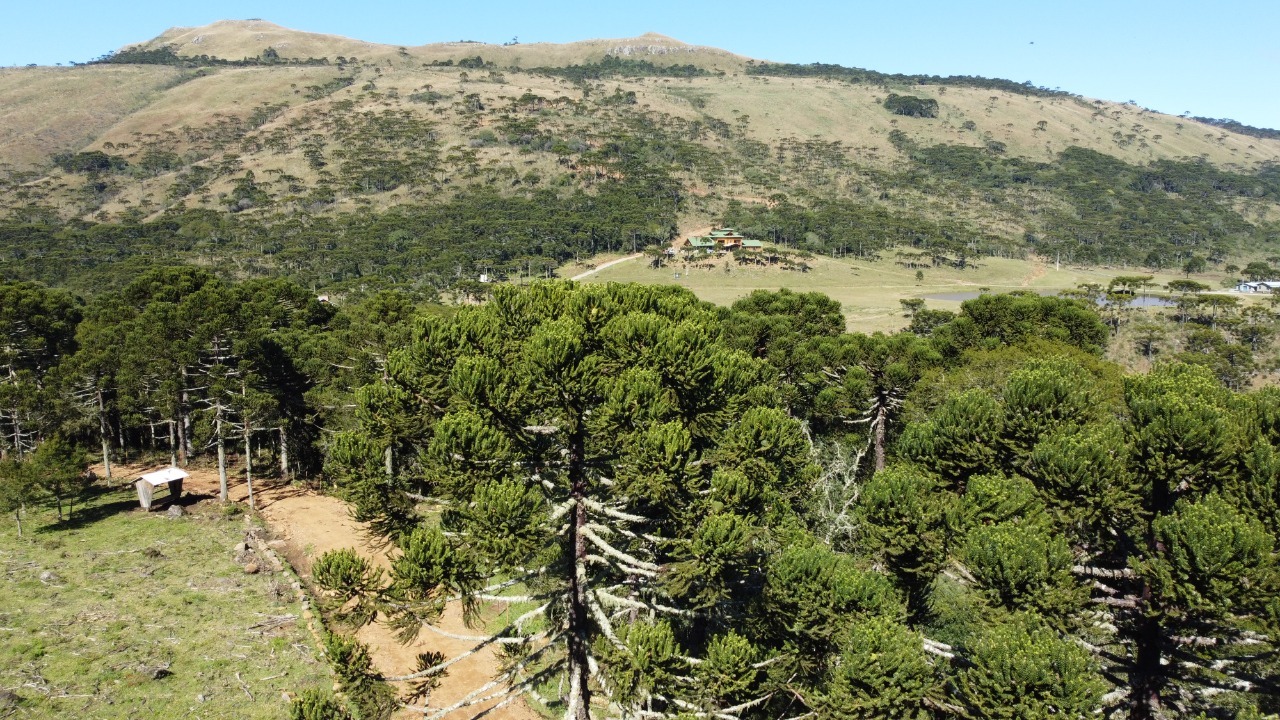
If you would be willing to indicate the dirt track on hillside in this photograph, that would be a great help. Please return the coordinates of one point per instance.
(609, 264)
(312, 524)
(1038, 270)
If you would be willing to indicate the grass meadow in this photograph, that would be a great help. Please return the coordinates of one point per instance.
(118, 613)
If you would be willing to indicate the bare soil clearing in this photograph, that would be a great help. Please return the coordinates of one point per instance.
(598, 268)
(312, 524)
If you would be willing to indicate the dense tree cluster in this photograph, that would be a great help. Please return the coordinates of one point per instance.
(987, 521)
(859, 75)
(613, 66)
(1158, 215)
(684, 509)
(1239, 127)
(165, 55)
(424, 246)
(911, 106)
(848, 227)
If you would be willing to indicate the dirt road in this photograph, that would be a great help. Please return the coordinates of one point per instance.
(312, 524)
(598, 268)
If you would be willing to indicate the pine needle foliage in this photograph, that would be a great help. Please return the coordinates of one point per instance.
(603, 465)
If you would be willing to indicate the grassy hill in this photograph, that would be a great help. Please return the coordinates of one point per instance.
(248, 38)
(256, 126)
(49, 110)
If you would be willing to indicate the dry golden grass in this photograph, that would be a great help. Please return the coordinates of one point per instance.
(777, 107)
(235, 39)
(236, 92)
(48, 110)
(653, 47)
(226, 91)
(852, 114)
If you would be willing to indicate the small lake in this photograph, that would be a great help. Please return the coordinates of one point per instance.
(1147, 301)
(1151, 301)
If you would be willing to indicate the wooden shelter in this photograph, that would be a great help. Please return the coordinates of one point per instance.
(147, 484)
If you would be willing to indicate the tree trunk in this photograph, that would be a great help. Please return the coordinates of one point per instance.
(387, 458)
(248, 463)
(17, 515)
(881, 422)
(17, 436)
(173, 444)
(106, 437)
(284, 455)
(579, 707)
(223, 495)
(184, 417)
(1148, 678)
(180, 423)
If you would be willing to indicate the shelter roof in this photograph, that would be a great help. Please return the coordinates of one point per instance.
(160, 477)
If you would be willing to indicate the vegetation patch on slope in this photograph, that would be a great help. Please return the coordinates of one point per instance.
(118, 613)
(859, 75)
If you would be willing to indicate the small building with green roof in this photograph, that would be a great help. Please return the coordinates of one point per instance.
(704, 244)
(720, 240)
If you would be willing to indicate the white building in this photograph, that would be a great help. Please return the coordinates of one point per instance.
(1258, 286)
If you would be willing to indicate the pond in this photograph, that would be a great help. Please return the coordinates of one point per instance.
(1151, 301)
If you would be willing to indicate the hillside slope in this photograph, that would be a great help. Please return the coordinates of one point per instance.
(49, 110)
(248, 38)
(260, 125)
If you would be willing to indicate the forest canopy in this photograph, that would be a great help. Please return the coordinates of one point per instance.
(742, 510)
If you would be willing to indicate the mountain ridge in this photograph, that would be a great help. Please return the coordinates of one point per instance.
(233, 39)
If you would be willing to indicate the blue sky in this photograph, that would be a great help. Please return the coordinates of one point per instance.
(1216, 59)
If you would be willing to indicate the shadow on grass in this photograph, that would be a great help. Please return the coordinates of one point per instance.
(99, 503)
(102, 502)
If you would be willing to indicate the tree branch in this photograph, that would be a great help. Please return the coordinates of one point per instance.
(608, 549)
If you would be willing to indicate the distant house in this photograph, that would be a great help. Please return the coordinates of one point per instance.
(753, 245)
(700, 244)
(727, 238)
(720, 240)
(1258, 286)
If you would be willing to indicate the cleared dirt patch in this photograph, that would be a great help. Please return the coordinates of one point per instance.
(311, 524)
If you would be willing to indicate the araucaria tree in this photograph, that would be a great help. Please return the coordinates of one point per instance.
(602, 464)
(1138, 516)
